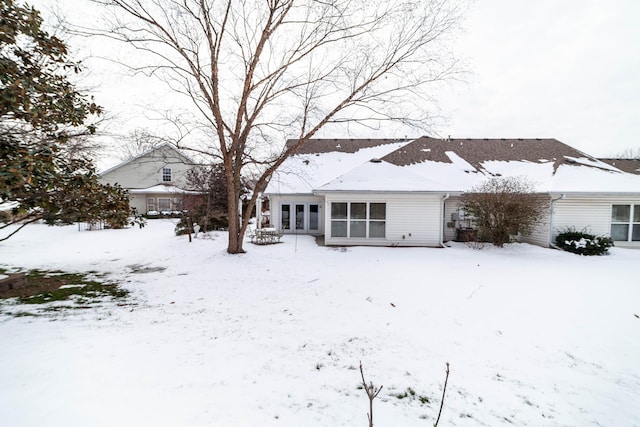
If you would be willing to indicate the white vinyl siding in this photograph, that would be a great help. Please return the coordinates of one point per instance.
(539, 236)
(451, 206)
(541, 233)
(411, 219)
(147, 171)
(593, 215)
(589, 213)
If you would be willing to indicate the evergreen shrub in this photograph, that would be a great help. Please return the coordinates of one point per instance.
(583, 243)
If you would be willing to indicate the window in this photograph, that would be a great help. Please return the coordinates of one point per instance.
(358, 220)
(299, 217)
(164, 204)
(314, 217)
(285, 215)
(338, 220)
(377, 219)
(151, 204)
(166, 174)
(625, 223)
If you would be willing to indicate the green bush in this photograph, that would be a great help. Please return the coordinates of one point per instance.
(583, 243)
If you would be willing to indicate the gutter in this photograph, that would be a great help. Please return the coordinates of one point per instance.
(444, 198)
(553, 201)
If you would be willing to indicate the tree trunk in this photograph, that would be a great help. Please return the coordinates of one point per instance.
(235, 235)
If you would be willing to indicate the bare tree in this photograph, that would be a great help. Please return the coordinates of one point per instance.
(261, 71)
(504, 206)
(628, 153)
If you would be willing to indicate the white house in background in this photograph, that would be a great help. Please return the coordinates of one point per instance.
(156, 179)
(387, 192)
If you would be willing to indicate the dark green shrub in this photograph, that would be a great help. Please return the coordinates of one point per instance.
(583, 243)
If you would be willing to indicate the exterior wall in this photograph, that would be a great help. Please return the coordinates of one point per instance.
(146, 171)
(277, 200)
(411, 219)
(590, 213)
(540, 234)
(139, 201)
(451, 206)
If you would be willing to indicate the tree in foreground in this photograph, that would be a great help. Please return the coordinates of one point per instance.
(43, 174)
(259, 72)
(502, 207)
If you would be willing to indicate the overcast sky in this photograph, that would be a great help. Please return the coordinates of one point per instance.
(564, 69)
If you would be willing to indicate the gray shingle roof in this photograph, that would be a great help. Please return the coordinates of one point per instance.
(476, 151)
(627, 165)
(345, 145)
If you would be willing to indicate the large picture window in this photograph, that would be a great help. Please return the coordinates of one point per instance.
(625, 223)
(164, 204)
(358, 220)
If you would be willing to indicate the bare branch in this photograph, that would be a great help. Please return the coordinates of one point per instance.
(372, 392)
(444, 391)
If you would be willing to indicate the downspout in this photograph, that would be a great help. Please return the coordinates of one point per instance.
(553, 201)
(259, 211)
(442, 224)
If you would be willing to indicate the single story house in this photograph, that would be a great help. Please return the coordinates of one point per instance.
(406, 192)
(156, 179)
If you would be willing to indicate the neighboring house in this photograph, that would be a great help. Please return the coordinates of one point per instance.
(389, 192)
(156, 179)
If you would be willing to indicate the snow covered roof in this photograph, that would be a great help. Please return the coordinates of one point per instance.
(319, 161)
(162, 189)
(449, 165)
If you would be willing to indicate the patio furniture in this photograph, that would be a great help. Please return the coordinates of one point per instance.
(266, 236)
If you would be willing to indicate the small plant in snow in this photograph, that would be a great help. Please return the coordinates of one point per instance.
(583, 243)
(373, 391)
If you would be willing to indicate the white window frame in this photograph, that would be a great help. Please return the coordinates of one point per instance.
(630, 223)
(352, 221)
(162, 200)
(166, 174)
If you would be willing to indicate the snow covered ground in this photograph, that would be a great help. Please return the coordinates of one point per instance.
(274, 337)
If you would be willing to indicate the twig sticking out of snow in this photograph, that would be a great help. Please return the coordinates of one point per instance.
(444, 391)
(372, 392)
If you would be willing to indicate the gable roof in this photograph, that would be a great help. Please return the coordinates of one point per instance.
(150, 152)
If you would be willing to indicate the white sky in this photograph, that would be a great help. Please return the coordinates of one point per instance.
(566, 69)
